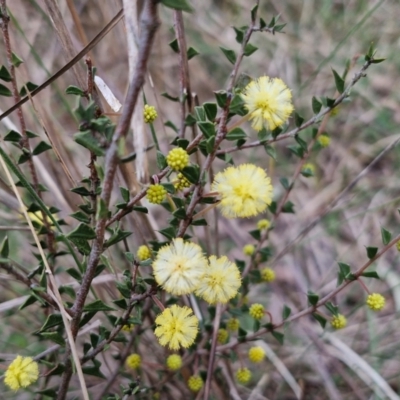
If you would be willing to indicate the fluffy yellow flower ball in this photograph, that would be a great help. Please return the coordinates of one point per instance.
(375, 301)
(133, 361)
(268, 275)
(22, 372)
(248, 250)
(143, 253)
(195, 383)
(174, 362)
(232, 324)
(256, 354)
(243, 375)
(256, 311)
(338, 321)
(222, 336)
(263, 224)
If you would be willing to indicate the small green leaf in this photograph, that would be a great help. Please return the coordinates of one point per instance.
(161, 160)
(256, 234)
(316, 105)
(288, 207)
(371, 252)
(280, 337)
(339, 82)
(174, 45)
(237, 105)
(221, 96)
(24, 157)
(254, 12)
(51, 321)
(87, 140)
(298, 120)
(344, 269)
(177, 5)
(210, 110)
(102, 210)
(200, 113)
(312, 298)
(191, 173)
(285, 183)
(4, 74)
(81, 190)
(208, 128)
(28, 87)
(4, 91)
(96, 306)
(236, 134)
(82, 231)
(377, 60)
(270, 151)
(169, 97)
(71, 89)
(41, 148)
(54, 337)
(249, 49)
(229, 54)
(320, 319)
(192, 52)
(199, 222)
(4, 247)
(12, 136)
(371, 274)
(332, 308)
(239, 34)
(286, 312)
(386, 236)
(15, 60)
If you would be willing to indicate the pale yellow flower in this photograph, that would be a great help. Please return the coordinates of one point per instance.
(245, 191)
(220, 282)
(22, 372)
(179, 267)
(177, 327)
(268, 101)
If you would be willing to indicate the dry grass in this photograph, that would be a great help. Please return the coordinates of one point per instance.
(360, 361)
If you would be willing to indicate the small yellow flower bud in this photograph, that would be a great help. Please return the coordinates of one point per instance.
(127, 327)
(143, 253)
(178, 159)
(195, 383)
(268, 275)
(338, 321)
(133, 361)
(174, 362)
(181, 182)
(233, 324)
(248, 250)
(324, 140)
(243, 375)
(256, 311)
(398, 245)
(308, 169)
(149, 114)
(156, 194)
(375, 301)
(263, 224)
(222, 336)
(256, 354)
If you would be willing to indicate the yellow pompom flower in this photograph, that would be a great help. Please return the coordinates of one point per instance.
(268, 101)
(243, 375)
(222, 336)
(143, 253)
(233, 324)
(179, 267)
(263, 224)
(268, 275)
(149, 114)
(245, 191)
(195, 383)
(177, 327)
(220, 282)
(375, 301)
(324, 140)
(248, 250)
(256, 354)
(156, 194)
(338, 321)
(133, 361)
(308, 169)
(174, 362)
(256, 311)
(22, 372)
(178, 159)
(398, 245)
(181, 182)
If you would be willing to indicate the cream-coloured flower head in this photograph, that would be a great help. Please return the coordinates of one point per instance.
(221, 281)
(268, 101)
(177, 327)
(179, 267)
(22, 372)
(245, 191)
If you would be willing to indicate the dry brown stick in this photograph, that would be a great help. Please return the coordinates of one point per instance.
(149, 25)
(69, 64)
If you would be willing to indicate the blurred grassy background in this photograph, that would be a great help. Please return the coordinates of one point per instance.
(320, 35)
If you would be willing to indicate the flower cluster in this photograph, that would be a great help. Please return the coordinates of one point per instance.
(195, 383)
(133, 361)
(268, 101)
(256, 354)
(263, 224)
(181, 182)
(177, 327)
(376, 301)
(256, 311)
(233, 324)
(143, 253)
(222, 336)
(177, 159)
(245, 191)
(22, 372)
(156, 194)
(268, 275)
(248, 249)
(338, 321)
(149, 114)
(243, 375)
(174, 362)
